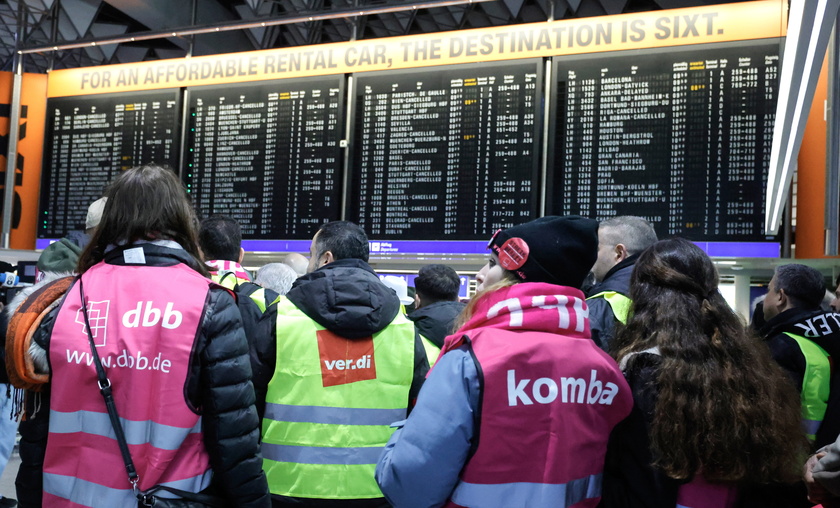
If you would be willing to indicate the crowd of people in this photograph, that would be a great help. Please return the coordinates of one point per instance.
(595, 366)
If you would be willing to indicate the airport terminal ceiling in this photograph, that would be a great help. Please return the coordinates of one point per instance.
(56, 22)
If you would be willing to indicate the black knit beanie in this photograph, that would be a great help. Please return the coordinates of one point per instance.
(556, 250)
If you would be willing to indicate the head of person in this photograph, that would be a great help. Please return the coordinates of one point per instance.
(297, 262)
(436, 283)
(94, 215)
(276, 276)
(552, 249)
(220, 237)
(145, 203)
(618, 239)
(793, 286)
(337, 240)
(708, 402)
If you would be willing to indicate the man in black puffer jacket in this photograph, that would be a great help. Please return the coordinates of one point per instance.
(347, 364)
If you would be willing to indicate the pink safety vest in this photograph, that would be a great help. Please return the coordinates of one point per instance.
(144, 322)
(549, 403)
(699, 493)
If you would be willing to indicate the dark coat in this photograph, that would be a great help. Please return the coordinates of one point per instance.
(823, 328)
(601, 316)
(435, 321)
(218, 387)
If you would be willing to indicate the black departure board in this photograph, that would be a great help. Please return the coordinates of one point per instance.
(90, 140)
(680, 137)
(446, 153)
(268, 155)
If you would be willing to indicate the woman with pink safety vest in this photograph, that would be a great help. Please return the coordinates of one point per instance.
(519, 407)
(174, 352)
(716, 421)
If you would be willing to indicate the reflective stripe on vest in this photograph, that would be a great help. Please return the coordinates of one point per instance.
(528, 495)
(163, 437)
(815, 384)
(144, 335)
(91, 494)
(432, 351)
(619, 304)
(330, 404)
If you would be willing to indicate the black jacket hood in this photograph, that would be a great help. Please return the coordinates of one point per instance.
(347, 298)
(818, 325)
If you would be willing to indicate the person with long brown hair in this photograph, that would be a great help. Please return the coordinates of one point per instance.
(172, 347)
(715, 422)
(518, 409)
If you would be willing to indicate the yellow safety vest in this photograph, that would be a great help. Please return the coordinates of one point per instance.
(815, 384)
(619, 304)
(232, 282)
(432, 351)
(330, 405)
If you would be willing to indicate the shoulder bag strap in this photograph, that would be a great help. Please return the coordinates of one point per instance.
(105, 390)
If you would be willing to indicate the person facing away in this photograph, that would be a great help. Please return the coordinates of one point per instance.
(715, 421)
(804, 339)
(436, 306)
(277, 277)
(220, 239)
(297, 262)
(174, 351)
(520, 404)
(620, 241)
(346, 364)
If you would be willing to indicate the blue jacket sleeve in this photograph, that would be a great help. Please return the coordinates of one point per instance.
(420, 464)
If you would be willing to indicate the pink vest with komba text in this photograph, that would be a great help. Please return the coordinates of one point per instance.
(549, 403)
(144, 321)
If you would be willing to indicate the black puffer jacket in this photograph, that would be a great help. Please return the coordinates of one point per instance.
(435, 321)
(218, 387)
(601, 316)
(347, 298)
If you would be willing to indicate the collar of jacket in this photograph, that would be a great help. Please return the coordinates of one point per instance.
(347, 298)
(155, 255)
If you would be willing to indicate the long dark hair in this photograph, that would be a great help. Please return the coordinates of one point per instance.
(144, 203)
(725, 407)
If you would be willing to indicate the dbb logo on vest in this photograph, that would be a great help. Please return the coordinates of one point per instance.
(345, 361)
(151, 316)
(98, 317)
(571, 390)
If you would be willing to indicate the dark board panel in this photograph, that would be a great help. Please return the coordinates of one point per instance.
(680, 137)
(447, 153)
(268, 155)
(90, 140)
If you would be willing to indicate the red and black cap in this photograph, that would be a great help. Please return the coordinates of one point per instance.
(556, 250)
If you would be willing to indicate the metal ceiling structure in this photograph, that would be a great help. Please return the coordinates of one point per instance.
(53, 22)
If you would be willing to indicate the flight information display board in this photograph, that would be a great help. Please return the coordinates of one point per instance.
(680, 137)
(446, 153)
(268, 155)
(90, 140)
